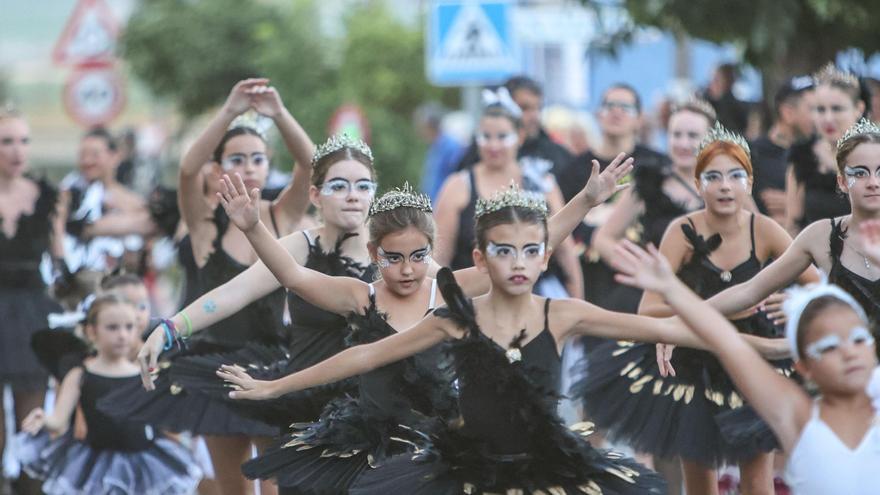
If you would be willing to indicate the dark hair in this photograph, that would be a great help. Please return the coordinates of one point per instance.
(231, 133)
(100, 302)
(319, 171)
(391, 221)
(497, 110)
(103, 134)
(506, 216)
(111, 282)
(626, 87)
(517, 83)
(812, 311)
(850, 144)
(791, 91)
(729, 72)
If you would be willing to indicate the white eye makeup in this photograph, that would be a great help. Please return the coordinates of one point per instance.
(387, 259)
(240, 159)
(342, 187)
(506, 251)
(858, 173)
(830, 343)
(508, 139)
(735, 176)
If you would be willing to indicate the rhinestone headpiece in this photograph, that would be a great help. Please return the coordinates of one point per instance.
(860, 128)
(253, 120)
(830, 74)
(513, 196)
(404, 197)
(338, 142)
(720, 133)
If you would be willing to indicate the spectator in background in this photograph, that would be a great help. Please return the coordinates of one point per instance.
(793, 108)
(732, 113)
(538, 154)
(444, 151)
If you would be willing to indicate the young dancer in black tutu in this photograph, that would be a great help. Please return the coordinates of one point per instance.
(833, 439)
(628, 390)
(508, 436)
(116, 456)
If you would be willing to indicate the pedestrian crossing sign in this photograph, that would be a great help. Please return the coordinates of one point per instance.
(471, 42)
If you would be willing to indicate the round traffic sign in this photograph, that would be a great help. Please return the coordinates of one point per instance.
(94, 96)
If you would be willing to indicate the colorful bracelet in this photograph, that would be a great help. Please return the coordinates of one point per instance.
(189, 327)
(171, 333)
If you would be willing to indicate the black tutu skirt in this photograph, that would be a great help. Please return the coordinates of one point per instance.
(454, 464)
(328, 455)
(23, 311)
(172, 407)
(197, 375)
(681, 416)
(71, 467)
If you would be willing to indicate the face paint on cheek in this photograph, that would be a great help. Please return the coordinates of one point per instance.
(850, 182)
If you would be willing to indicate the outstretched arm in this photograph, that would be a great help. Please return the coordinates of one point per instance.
(777, 399)
(59, 420)
(336, 294)
(351, 362)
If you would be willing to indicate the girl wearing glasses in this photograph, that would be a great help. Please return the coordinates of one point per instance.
(833, 440)
(499, 137)
(667, 404)
(811, 189)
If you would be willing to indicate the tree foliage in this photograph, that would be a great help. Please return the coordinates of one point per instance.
(192, 52)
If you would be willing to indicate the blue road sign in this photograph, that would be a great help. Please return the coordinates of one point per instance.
(471, 42)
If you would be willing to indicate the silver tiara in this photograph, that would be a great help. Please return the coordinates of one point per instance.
(830, 74)
(720, 133)
(253, 120)
(404, 197)
(695, 103)
(512, 197)
(860, 128)
(338, 142)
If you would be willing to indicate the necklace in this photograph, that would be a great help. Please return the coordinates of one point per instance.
(864, 258)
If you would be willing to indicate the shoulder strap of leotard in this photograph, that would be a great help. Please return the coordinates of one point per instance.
(752, 226)
(309, 238)
(274, 222)
(431, 302)
(547, 314)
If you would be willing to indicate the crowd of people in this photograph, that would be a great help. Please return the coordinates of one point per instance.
(708, 308)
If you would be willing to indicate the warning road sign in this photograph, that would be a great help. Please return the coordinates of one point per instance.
(89, 37)
(471, 42)
(94, 97)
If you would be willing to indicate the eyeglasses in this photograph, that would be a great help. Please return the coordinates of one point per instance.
(387, 259)
(628, 108)
(506, 251)
(858, 336)
(342, 188)
(508, 139)
(738, 175)
(240, 159)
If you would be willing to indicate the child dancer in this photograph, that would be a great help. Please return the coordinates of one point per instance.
(116, 456)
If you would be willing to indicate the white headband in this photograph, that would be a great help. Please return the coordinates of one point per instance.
(501, 97)
(799, 297)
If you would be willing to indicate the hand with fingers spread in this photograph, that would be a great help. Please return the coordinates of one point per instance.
(242, 208)
(243, 386)
(266, 101)
(602, 186)
(647, 270)
(241, 96)
(148, 356)
(664, 359)
(869, 235)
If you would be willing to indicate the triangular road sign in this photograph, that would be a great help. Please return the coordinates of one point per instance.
(89, 37)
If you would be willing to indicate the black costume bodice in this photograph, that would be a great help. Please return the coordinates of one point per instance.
(660, 210)
(317, 334)
(105, 432)
(821, 197)
(20, 254)
(866, 292)
(259, 321)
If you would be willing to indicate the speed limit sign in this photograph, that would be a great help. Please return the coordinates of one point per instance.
(94, 96)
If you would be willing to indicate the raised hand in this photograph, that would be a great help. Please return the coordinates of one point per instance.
(647, 270)
(243, 386)
(602, 186)
(266, 101)
(869, 236)
(240, 98)
(34, 421)
(148, 356)
(242, 208)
